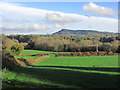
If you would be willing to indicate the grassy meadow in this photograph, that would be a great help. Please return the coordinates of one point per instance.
(31, 52)
(85, 61)
(64, 72)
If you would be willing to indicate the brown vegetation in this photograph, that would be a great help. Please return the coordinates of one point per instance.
(85, 54)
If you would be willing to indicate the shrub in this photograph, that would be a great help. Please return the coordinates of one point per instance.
(118, 50)
(4, 73)
(105, 47)
(114, 49)
(16, 49)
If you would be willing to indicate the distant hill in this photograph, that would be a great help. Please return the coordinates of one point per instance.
(82, 32)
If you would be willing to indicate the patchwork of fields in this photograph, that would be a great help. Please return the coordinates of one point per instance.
(68, 72)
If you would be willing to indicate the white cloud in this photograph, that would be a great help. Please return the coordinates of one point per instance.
(34, 28)
(19, 19)
(25, 27)
(99, 10)
(59, 17)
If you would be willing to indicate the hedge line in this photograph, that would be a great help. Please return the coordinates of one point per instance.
(85, 54)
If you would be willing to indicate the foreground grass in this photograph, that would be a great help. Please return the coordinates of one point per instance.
(39, 77)
(81, 70)
(22, 80)
(86, 61)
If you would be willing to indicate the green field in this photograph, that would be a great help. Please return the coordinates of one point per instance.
(85, 61)
(32, 52)
(45, 77)
(65, 72)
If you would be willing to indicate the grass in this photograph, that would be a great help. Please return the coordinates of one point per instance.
(28, 57)
(93, 70)
(38, 77)
(21, 79)
(31, 52)
(86, 61)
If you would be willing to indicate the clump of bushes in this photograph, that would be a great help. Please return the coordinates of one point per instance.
(16, 49)
(10, 48)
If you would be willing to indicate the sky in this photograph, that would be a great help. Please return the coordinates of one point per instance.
(50, 17)
(71, 7)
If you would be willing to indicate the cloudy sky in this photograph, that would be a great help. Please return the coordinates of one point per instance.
(49, 17)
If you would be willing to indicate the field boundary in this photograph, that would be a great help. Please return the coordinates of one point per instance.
(29, 62)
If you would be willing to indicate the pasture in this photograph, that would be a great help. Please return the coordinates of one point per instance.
(64, 72)
(31, 52)
(83, 61)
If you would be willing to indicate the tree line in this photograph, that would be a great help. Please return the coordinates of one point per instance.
(68, 43)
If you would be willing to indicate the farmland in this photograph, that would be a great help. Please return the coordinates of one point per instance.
(86, 61)
(31, 52)
(64, 72)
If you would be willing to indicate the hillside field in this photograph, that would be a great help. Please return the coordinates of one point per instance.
(64, 72)
(84, 61)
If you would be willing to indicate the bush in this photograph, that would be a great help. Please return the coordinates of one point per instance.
(6, 43)
(105, 47)
(16, 49)
(4, 73)
(118, 50)
(114, 49)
